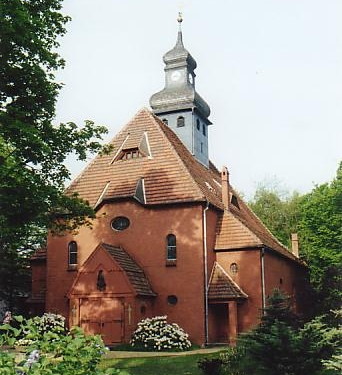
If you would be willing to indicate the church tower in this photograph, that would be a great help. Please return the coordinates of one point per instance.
(179, 105)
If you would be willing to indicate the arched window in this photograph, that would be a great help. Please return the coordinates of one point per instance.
(198, 124)
(180, 121)
(204, 130)
(171, 252)
(72, 250)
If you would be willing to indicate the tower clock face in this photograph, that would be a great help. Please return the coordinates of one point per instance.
(175, 76)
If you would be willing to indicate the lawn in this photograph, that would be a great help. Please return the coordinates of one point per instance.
(182, 365)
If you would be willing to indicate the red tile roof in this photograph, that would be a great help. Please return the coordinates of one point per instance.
(135, 274)
(171, 175)
(222, 286)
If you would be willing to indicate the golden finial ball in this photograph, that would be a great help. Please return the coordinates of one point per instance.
(180, 17)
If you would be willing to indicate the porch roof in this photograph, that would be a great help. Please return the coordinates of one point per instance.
(222, 286)
(133, 271)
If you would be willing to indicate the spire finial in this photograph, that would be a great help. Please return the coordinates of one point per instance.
(180, 20)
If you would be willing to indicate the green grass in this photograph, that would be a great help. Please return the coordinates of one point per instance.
(178, 365)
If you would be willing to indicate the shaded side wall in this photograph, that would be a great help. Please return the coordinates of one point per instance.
(286, 275)
(248, 277)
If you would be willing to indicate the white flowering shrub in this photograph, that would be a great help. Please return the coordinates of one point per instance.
(54, 324)
(50, 322)
(157, 334)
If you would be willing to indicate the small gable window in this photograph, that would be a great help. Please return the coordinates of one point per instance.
(234, 268)
(72, 253)
(180, 121)
(171, 249)
(131, 153)
(204, 130)
(101, 282)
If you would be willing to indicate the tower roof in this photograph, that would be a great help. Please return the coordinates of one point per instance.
(182, 95)
(179, 56)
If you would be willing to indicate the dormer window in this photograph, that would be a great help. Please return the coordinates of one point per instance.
(180, 121)
(131, 153)
(235, 201)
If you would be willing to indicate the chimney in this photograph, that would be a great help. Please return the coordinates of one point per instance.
(225, 187)
(295, 247)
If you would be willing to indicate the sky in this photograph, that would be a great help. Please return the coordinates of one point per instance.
(271, 71)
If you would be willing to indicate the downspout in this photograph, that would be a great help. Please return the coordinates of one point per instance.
(263, 292)
(205, 254)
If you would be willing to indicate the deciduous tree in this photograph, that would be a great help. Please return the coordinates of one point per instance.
(33, 149)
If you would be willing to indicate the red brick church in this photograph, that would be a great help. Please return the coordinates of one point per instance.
(171, 236)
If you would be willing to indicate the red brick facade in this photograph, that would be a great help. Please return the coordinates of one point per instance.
(122, 276)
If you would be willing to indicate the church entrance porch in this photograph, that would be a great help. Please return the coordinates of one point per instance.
(107, 295)
(223, 322)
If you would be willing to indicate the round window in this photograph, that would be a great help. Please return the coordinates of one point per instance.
(120, 223)
(172, 300)
(233, 268)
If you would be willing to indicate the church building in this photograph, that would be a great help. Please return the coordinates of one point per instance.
(171, 237)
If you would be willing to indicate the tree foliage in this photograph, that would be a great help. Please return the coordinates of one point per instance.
(317, 218)
(281, 345)
(278, 210)
(33, 149)
(320, 230)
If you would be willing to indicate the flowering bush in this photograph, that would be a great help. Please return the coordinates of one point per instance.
(156, 334)
(53, 352)
(53, 324)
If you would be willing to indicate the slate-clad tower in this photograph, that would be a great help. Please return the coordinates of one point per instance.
(179, 105)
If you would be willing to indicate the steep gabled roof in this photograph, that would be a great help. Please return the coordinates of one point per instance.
(222, 286)
(170, 172)
(164, 171)
(240, 228)
(134, 273)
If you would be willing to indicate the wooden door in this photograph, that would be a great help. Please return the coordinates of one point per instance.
(102, 316)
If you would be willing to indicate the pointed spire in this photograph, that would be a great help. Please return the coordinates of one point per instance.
(179, 43)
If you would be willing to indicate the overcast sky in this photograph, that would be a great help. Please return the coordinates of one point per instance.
(271, 71)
